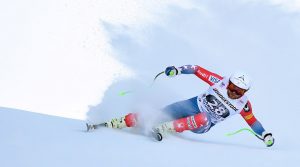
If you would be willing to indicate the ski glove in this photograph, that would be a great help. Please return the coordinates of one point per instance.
(172, 71)
(268, 139)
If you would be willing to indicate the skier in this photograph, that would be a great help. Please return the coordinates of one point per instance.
(224, 98)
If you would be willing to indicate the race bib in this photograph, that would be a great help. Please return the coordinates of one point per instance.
(215, 107)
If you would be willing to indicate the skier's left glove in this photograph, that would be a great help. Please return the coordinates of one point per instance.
(268, 139)
(172, 71)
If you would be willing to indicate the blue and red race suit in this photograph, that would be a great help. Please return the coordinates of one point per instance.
(213, 105)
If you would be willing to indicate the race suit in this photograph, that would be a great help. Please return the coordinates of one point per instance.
(214, 102)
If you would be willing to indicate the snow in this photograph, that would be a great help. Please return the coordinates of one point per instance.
(60, 64)
(31, 139)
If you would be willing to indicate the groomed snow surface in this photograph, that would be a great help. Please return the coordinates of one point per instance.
(32, 140)
(64, 60)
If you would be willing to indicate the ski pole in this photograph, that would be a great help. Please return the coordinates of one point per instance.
(245, 129)
(123, 93)
(156, 77)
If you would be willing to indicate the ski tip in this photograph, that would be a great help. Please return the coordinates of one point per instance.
(88, 127)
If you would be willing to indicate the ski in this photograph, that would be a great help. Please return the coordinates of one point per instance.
(154, 133)
(90, 127)
(157, 136)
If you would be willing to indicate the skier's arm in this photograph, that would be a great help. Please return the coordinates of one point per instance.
(207, 76)
(255, 125)
(248, 116)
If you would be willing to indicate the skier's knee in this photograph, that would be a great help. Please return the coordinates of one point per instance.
(201, 130)
(205, 127)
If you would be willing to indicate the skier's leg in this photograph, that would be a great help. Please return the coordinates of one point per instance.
(195, 123)
(183, 112)
(129, 120)
(181, 109)
(175, 111)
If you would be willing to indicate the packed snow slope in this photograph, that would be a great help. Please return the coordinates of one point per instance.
(33, 140)
(72, 58)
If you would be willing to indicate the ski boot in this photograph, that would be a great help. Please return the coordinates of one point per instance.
(160, 131)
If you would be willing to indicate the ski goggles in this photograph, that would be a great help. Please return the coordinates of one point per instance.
(233, 88)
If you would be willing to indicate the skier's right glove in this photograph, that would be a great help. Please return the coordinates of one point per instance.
(172, 71)
(268, 139)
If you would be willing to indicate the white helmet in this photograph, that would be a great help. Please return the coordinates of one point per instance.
(241, 80)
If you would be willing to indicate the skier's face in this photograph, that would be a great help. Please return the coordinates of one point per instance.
(234, 92)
